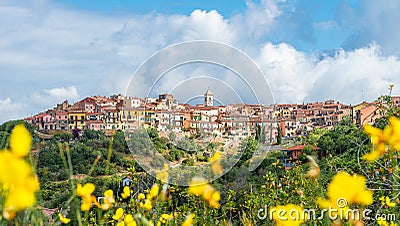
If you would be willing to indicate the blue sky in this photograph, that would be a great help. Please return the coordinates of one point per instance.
(309, 50)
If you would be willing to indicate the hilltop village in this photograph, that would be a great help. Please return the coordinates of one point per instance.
(233, 121)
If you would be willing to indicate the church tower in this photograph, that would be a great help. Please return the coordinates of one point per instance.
(208, 98)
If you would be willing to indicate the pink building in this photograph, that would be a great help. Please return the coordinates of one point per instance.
(61, 120)
(49, 122)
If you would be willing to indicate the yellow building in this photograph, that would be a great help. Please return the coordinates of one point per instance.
(76, 119)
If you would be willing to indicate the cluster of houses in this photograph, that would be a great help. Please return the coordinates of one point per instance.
(166, 114)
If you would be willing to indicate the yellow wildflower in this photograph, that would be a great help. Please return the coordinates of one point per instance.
(215, 161)
(85, 192)
(341, 195)
(386, 200)
(63, 219)
(153, 191)
(215, 157)
(129, 221)
(22, 197)
(119, 213)
(189, 220)
(197, 186)
(288, 215)
(390, 135)
(20, 141)
(141, 196)
(167, 216)
(393, 135)
(121, 223)
(20, 185)
(126, 193)
(147, 205)
(108, 199)
(162, 175)
(382, 222)
(214, 200)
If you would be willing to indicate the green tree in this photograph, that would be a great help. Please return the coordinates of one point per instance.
(279, 137)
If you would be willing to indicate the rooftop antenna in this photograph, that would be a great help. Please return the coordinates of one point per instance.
(362, 95)
(390, 88)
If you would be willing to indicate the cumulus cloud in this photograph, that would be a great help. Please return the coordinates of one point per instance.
(49, 97)
(359, 75)
(70, 93)
(10, 110)
(349, 76)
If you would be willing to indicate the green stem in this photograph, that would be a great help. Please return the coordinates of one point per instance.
(109, 154)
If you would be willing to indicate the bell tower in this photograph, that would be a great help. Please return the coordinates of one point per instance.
(208, 98)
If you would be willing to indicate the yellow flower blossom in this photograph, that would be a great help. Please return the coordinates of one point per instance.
(126, 192)
(215, 161)
(382, 222)
(121, 223)
(393, 135)
(341, 195)
(215, 157)
(189, 220)
(141, 196)
(164, 218)
(167, 216)
(108, 199)
(390, 135)
(19, 186)
(119, 213)
(214, 200)
(20, 141)
(153, 191)
(198, 186)
(288, 215)
(129, 221)
(147, 205)
(386, 201)
(63, 219)
(22, 197)
(162, 175)
(85, 192)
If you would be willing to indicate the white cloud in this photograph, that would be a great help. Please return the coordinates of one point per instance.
(348, 76)
(291, 73)
(10, 110)
(47, 98)
(70, 93)
(358, 75)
